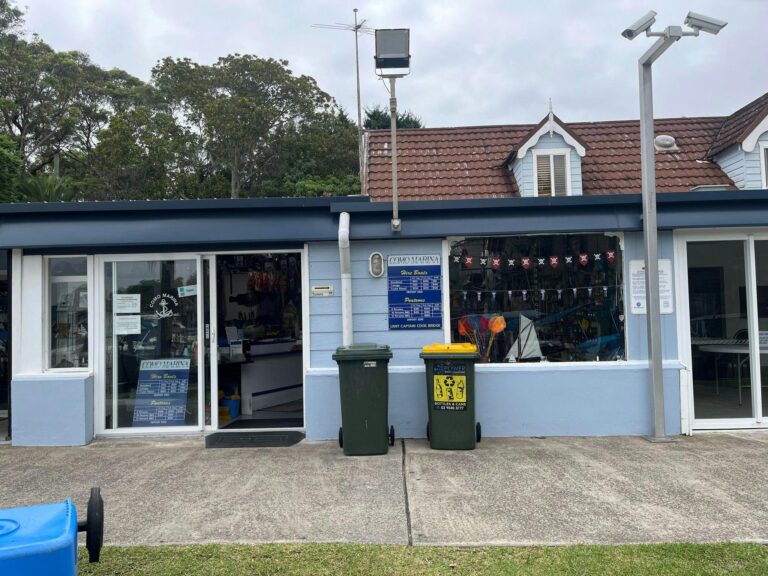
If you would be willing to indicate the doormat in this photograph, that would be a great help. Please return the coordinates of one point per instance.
(253, 439)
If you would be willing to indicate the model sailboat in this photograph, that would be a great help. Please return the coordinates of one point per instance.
(526, 346)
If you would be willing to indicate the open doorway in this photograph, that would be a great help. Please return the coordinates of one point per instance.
(259, 340)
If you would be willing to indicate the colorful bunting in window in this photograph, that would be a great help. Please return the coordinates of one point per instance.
(483, 262)
(511, 262)
(597, 256)
(569, 259)
(541, 261)
(554, 261)
(457, 259)
(611, 256)
(525, 261)
(496, 262)
(468, 261)
(583, 258)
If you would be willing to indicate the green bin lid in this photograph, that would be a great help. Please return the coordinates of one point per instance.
(363, 351)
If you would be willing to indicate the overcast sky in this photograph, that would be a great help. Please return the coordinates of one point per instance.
(473, 62)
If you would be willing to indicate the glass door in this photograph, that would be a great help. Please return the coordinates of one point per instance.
(152, 379)
(728, 305)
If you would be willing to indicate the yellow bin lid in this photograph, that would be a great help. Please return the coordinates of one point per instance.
(460, 348)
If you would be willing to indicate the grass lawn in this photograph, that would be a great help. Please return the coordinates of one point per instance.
(335, 559)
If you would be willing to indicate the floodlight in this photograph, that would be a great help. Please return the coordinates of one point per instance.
(640, 26)
(393, 48)
(704, 23)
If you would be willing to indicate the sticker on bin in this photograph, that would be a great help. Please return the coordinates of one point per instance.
(450, 387)
(369, 364)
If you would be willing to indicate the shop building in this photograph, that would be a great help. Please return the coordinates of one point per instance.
(194, 317)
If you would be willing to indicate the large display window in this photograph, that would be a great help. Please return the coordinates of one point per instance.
(554, 298)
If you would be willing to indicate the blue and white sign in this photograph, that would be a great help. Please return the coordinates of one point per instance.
(161, 394)
(415, 293)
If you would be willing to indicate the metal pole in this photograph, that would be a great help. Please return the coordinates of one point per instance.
(393, 130)
(650, 232)
(359, 112)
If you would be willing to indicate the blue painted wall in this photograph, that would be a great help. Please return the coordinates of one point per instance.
(52, 410)
(635, 327)
(369, 303)
(743, 167)
(523, 167)
(526, 400)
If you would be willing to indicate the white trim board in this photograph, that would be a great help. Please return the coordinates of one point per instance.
(551, 125)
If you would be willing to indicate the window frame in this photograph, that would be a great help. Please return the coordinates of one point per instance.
(763, 147)
(46, 316)
(551, 152)
(495, 366)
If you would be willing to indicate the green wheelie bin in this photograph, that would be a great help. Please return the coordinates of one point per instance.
(451, 396)
(364, 391)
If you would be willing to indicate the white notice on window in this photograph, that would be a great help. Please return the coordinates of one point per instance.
(127, 324)
(637, 286)
(126, 303)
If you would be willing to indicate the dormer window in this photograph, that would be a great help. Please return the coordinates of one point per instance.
(764, 164)
(551, 170)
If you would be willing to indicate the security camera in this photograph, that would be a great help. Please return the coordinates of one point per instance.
(640, 26)
(704, 23)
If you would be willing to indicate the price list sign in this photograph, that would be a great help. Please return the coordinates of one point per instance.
(161, 394)
(414, 285)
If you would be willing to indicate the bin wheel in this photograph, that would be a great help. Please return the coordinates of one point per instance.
(93, 526)
(391, 435)
(429, 430)
(478, 432)
(341, 439)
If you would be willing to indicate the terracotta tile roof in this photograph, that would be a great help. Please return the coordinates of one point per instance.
(459, 163)
(739, 125)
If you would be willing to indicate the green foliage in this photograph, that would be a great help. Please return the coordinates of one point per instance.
(10, 169)
(11, 18)
(244, 125)
(243, 106)
(45, 188)
(377, 118)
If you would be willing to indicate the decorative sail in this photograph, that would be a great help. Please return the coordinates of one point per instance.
(527, 343)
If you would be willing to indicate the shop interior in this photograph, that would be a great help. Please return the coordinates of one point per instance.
(259, 337)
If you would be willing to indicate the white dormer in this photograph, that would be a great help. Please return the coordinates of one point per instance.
(548, 162)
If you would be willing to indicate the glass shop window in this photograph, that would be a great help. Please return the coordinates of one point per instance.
(552, 298)
(68, 312)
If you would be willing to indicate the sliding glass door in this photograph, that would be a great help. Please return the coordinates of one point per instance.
(151, 356)
(728, 311)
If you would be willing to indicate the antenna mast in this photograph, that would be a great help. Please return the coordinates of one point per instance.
(357, 28)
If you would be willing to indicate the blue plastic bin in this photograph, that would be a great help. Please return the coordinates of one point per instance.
(39, 540)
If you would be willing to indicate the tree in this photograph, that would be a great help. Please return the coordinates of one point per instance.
(10, 17)
(315, 159)
(10, 169)
(377, 118)
(146, 154)
(241, 106)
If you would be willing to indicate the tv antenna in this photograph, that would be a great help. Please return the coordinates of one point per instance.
(358, 28)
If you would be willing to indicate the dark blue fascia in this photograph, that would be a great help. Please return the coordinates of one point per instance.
(174, 229)
(209, 225)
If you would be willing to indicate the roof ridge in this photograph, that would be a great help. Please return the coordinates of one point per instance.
(529, 126)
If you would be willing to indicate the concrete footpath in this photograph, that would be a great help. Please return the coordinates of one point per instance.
(710, 487)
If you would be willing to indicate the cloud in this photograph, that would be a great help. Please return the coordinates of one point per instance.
(481, 62)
